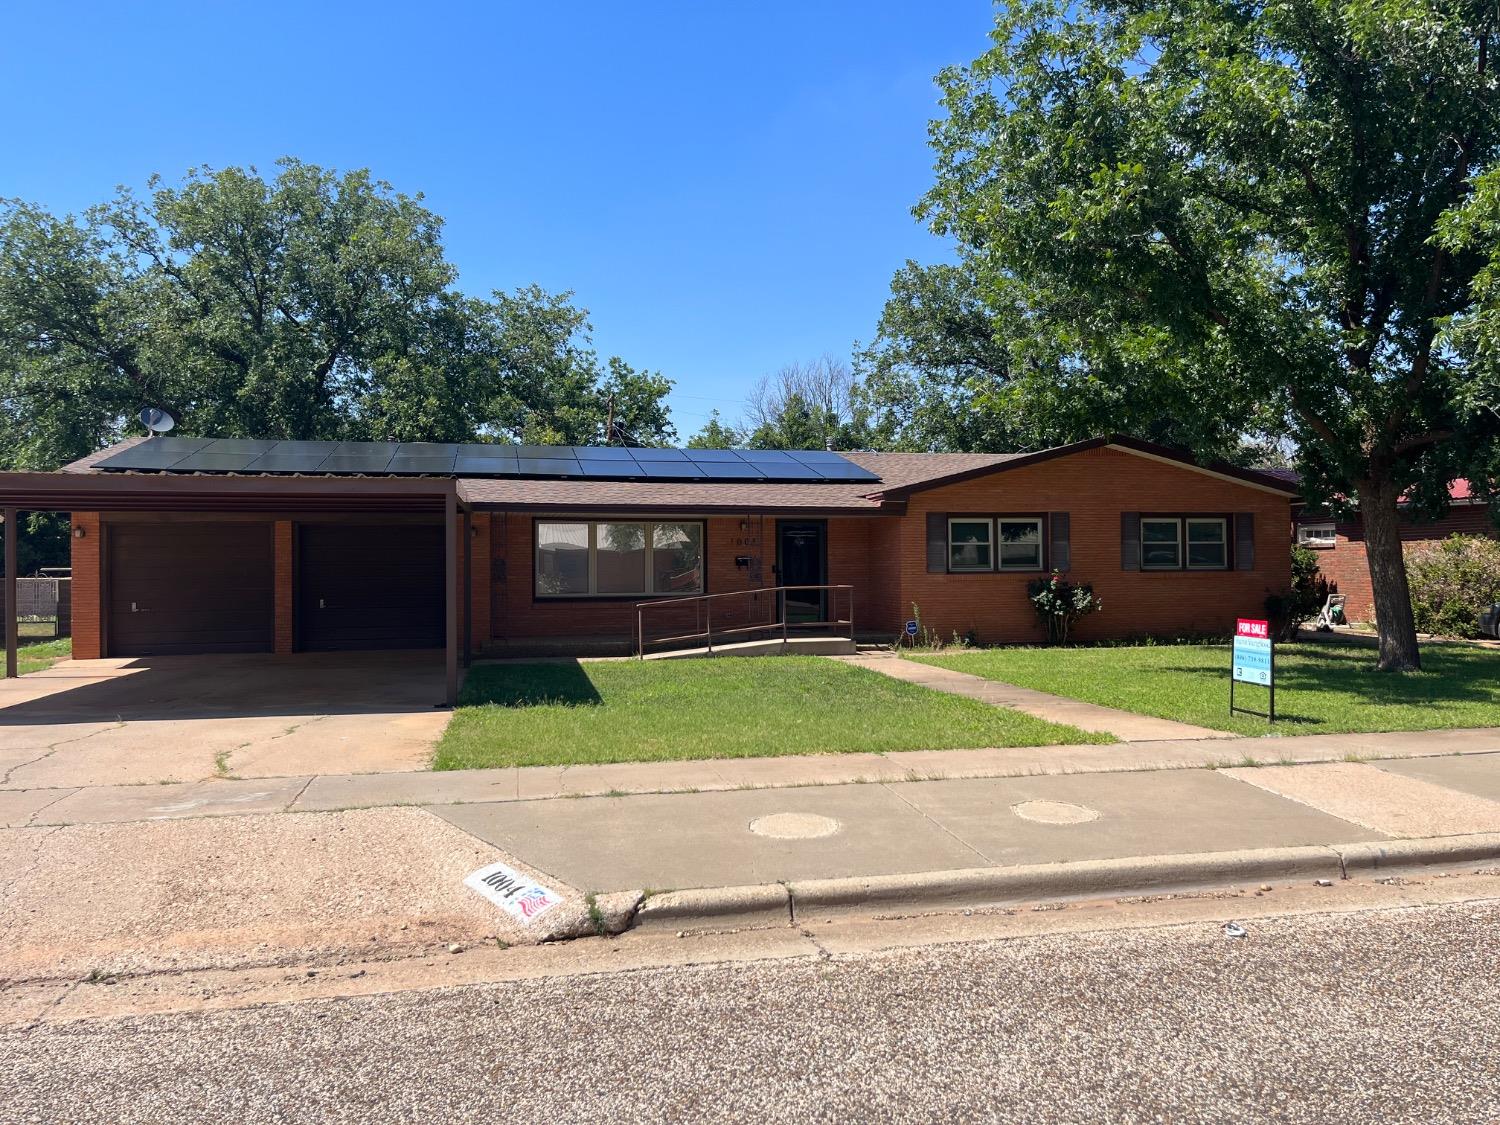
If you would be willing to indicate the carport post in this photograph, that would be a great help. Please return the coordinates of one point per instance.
(468, 587)
(450, 591)
(12, 628)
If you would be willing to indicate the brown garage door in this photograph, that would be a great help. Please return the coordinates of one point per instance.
(370, 587)
(190, 587)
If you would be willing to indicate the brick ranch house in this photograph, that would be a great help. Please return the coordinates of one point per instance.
(1340, 543)
(240, 546)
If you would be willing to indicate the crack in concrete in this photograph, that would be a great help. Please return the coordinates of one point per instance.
(292, 803)
(224, 760)
(938, 824)
(62, 795)
(53, 748)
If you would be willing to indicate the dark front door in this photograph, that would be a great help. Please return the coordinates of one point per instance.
(802, 560)
(370, 586)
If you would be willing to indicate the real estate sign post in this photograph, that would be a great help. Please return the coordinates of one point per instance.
(1253, 661)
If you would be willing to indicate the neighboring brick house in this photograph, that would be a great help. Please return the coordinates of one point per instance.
(1340, 543)
(281, 547)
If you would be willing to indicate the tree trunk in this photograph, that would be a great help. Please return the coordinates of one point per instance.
(1378, 500)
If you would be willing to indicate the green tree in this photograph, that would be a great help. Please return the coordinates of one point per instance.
(716, 434)
(954, 369)
(1227, 211)
(937, 376)
(808, 406)
(311, 305)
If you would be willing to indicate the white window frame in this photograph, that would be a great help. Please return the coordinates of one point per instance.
(1323, 534)
(1187, 543)
(1041, 544)
(988, 567)
(1175, 521)
(649, 533)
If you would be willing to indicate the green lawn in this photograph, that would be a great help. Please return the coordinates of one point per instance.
(739, 707)
(33, 656)
(1320, 689)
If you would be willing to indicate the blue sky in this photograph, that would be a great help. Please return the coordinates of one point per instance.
(726, 187)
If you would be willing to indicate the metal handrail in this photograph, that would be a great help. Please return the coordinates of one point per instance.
(705, 602)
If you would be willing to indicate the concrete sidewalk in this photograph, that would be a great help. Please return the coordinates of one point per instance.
(231, 797)
(1127, 726)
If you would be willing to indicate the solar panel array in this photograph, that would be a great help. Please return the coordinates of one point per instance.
(420, 458)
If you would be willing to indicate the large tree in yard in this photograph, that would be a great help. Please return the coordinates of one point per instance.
(312, 305)
(1254, 211)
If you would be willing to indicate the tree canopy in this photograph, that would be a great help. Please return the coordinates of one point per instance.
(1245, 218)
(309, 305)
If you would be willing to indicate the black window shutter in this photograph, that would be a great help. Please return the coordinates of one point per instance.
(1059, 529)
(1130, 540)
(937, 542)
(1244, 541)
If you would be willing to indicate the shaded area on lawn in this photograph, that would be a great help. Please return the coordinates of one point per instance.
(1319, 689)
(732, 707)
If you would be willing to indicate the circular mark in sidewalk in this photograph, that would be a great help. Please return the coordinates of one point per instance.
(1054, 812)
(794, 826)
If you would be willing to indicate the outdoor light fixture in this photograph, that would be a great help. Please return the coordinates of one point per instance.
(79, 532)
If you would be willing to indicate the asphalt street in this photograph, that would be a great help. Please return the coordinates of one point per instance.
(1374, 1016)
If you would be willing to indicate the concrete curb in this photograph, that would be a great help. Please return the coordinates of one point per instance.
(763, 904)
(1482, 847)
(776, 904)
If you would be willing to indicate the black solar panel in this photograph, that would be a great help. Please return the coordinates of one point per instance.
(241, 455)
(370, 461)
(293, 457)
(210, 461)
(611, 470)
(549, 467)
(602, 453)
(737, 470)
(468, 465)
(671, 470)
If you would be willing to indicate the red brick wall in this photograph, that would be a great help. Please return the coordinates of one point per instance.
(1346, 565)
(1094, 487)
(285, 579)
(517, 615)
(88, 590)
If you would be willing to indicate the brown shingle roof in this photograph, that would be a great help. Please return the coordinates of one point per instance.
(896, 470)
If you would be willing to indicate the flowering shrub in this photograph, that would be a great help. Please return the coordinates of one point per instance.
(1453, 583)
(1060, 603)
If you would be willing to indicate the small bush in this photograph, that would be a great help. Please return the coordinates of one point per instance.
(1453, 582)
(1300, 603)
(1060, 603)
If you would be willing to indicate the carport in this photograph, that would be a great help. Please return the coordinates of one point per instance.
(184, 564)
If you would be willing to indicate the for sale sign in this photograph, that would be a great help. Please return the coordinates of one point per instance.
(1253, 661)
(1252, 652)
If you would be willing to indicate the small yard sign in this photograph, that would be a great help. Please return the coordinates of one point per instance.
(1253, 661)
(911, 628)
(520, 897)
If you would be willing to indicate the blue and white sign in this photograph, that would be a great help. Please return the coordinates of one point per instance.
(911, 628)
(1252, 652)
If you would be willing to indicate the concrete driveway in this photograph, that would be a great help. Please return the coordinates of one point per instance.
(186, 718)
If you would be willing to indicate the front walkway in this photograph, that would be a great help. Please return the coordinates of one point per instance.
(1124, 725)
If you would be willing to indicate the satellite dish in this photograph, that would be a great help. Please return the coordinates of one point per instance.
(158, 419)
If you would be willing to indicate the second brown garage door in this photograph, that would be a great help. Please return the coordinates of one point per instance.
(370, 587)
(189, 588)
